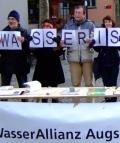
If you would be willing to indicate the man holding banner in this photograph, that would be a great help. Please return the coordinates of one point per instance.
(14, 49)
(79, 54)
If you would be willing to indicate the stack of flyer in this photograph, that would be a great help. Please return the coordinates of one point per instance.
(117, 91)
(98, 91)
(104, 91)
(110, 90)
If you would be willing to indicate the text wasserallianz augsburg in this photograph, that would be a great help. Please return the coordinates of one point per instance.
(55, 134)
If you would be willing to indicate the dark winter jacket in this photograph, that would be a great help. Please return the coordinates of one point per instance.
(16, 61)
(48, 68)
(108, 56)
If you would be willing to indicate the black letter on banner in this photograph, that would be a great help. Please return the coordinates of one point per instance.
(81, 35)
(36, 36)
(5, 40)
(40, 134)
(65, 40)
(116, 134)
(50, 37)
(115, 36)
(14, 40)
(99, 37)
(77, 135)
(90, 134)
(1, 132)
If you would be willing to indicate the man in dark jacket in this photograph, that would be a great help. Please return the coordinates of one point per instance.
(15, 61)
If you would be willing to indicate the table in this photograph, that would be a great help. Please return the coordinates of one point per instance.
(62, 92)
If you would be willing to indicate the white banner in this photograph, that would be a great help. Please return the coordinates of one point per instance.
(49, 34)
(73, 38)
(37, 41)
(43, 38)
(107, 37)
(9, 40)
(82, 36)
(69, 38)
(59, 123)
(100, 36)
(114, 37)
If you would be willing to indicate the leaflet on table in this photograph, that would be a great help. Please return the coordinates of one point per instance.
(6, 87)
(75, 91)
(97, 91)
(102, 91)
(117, 91)
(110, 90)
(9, 92)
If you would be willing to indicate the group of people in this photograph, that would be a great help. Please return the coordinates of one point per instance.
(80, 59)
(48, 68)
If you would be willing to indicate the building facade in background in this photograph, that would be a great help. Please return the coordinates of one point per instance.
(7, 5)
(34, 11)
(63, 9)
(117, 11)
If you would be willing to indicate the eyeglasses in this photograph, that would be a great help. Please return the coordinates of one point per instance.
(11, 18)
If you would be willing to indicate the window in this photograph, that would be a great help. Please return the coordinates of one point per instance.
(33, 11)
(64, 10)
(91, 3)
(117, 10)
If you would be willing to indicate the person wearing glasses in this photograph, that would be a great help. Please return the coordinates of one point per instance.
(15, 61)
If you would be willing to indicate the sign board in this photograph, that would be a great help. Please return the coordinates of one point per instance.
(64, 123)
(43, 38)
(107, 37)
(74, 38)
(9, 40)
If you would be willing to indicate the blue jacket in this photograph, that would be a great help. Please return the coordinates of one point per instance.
(82, 53)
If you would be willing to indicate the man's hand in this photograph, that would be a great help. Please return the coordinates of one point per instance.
(62, 43)
(88, 40)
(21, 39)
(1, 40)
